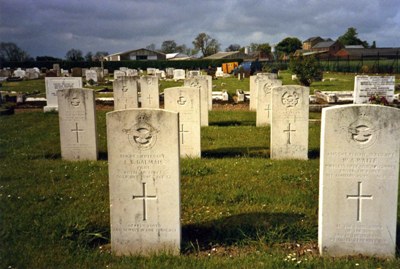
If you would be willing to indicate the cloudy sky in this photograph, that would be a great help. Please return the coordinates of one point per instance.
(52, 27)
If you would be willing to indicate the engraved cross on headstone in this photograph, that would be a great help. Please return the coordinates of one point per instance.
(149, 98)
(77, 131)
(144, 198)
(268, 109)
(289, 136)
(182, 131)
(359, 197)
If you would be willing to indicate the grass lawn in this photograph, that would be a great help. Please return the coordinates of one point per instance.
(239, 208)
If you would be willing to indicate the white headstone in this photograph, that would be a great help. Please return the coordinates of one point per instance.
(179, 74)
(169, 72)
(125, 91)
(219, 72)
(209, 83)
(91, 75)
(123, 69)
(19, 73)
(359, 173)
(143, 157)
(253, 87)
(119, 74)
(202, 84)
(186, 101)
(193, 73)
(367, 86)
(131, 72)
(77, 118)
(58, 83)
(151, 71)
(264, 105)
(149, 92)
(289, 122)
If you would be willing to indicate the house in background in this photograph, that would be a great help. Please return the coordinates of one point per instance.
(311, 42)
(136, 55)
(319, 46)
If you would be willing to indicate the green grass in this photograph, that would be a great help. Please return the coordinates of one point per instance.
(239, 208)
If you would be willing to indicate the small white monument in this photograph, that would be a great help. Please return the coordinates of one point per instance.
(77, 118)
(144, 178)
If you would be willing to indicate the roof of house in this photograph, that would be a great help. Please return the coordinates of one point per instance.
(177, 56)
(130, 51)
(312, 38)
(323, 44)
(223, 54)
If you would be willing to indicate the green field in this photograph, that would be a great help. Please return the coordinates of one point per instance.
(239, 208)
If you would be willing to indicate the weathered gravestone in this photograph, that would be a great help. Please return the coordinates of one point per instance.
(264, 106)
(119, 74)
(186, 101)
(367, 86)
(131, 72)
(209, 85)
(193, 73)
(179, 74)
(76, 72)
(77, 117)
(151, 71)
(169, 72)
(53, 84)
(57, 69)
(125, 92)
(359, 170)
(143, 156)
(91, 75)
(149, 92)
(289, 122)
(19, 73)
(253, 87)
(202, 84)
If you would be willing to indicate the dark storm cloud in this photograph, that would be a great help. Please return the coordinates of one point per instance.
(44, 27)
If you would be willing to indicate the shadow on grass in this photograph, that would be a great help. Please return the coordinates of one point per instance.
(231, 123)
(103, 156)
(253, 152)
(313, 154)
(266, 227)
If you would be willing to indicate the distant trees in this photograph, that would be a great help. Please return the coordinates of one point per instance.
(288, 45)
(168, 46)
(10, 52)
(350, 38)
(233, 47)
(206, 44)
(47, 59)
(74, 55)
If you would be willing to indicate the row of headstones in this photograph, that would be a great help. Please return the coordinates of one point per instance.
(359, 170)
(358, 173)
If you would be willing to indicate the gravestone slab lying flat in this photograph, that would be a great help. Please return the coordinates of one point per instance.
(53, 84)
(77, 118)
(289, 122)
(186, 101)
(359, 172)
(125, 91)
(143, 156)
(149, 92)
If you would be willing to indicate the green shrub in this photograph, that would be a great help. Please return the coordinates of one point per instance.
(307, 69)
